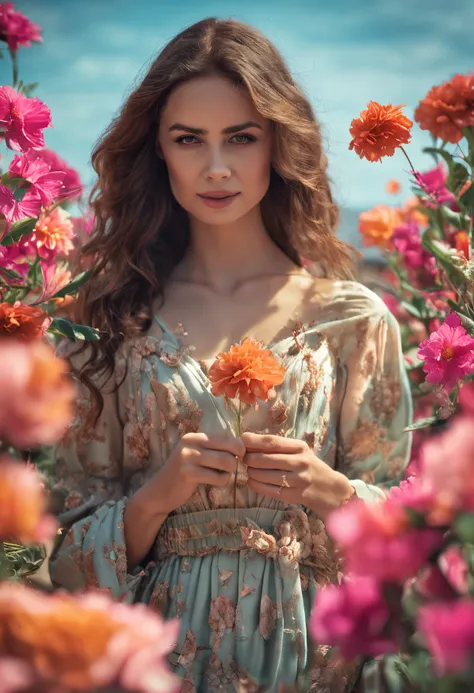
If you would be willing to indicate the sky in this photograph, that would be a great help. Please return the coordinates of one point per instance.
(343, 53)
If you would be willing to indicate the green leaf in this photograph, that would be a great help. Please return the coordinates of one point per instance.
(458, 219)
(11, 274)
(19, 229)
(72, 331)
(439, 152)
(29, 88)
(73, 286)
(432, 421)
(464, 527)
(411, 309)
(469, 135)
(458, 175)
(467, 200)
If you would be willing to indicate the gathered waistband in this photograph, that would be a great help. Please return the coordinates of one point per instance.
(274, 533)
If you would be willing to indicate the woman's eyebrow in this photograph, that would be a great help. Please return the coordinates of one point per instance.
(227, 131)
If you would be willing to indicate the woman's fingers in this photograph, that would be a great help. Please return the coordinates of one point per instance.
(224, 442)
(259, 460)
(220, 461)
(211, 477)
(273, 477)
(255, 442)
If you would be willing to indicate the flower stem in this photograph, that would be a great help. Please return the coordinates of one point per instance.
(14, 67)
(239, 430)
(409, 160)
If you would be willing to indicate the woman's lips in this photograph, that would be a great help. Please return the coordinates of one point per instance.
(218, 202)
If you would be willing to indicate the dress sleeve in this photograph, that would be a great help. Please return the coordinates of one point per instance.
(373, 449)
(90, 552)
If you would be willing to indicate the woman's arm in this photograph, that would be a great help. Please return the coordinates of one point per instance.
(373, 450)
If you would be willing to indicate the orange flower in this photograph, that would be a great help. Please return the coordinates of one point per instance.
(379, 130)
(36, 396)
(77, 637)
(23, 504)
(463, 247)
(55, 232)
(377, 225)
(79, 643)
(393, 187)
(448, 108)
(21, 321)
(247, 371)
(410, 211)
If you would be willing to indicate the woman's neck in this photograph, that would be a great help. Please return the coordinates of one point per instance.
(224, 257)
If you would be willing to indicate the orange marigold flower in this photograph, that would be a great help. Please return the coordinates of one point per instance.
(36, 394)
(248, 371)
(23, 504)
(448, 108)
(377, 225)
(379, 131)
(22, 321)
(393, 187)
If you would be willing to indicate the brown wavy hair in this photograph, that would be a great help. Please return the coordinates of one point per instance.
(141, 232)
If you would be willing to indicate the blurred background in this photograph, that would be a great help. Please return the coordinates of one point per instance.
(342, 52)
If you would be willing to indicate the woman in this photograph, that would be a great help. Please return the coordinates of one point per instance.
(212, 187)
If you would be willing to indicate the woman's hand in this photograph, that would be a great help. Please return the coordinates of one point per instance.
(197, 459)
(288, 470)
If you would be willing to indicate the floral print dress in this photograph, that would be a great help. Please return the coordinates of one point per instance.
(242, 580)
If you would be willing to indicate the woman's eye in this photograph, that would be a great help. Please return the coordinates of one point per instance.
(182, 140)
(246, 139)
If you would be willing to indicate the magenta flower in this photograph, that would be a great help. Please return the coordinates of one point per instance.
(23, 120)
(14, 210)
(452, 483)
(11, 258)
(32, 168)
(352, 616)
(16, 29)
(407, 240)
(448, 631)
(448, 353)
(454, 567)
(377, 540)
(433, 183)
(72, 186)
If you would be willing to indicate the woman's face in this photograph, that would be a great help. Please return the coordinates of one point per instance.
(214, 141)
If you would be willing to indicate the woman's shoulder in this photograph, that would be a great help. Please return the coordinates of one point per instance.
(343, 299)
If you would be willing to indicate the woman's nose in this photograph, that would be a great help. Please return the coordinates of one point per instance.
(217, 168)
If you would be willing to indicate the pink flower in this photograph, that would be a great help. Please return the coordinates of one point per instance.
(448, 353)
(352, 616)
(44, 182)
(454, 567)
(54, 279)
(378, 541)
(433, 183)
(447, 466)
(13, 210)
(407, 240)
(448, 631)
(53, 234)
(72, 186)
(431, 584)
(23, 120)
(16, 29)
(12, 259)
